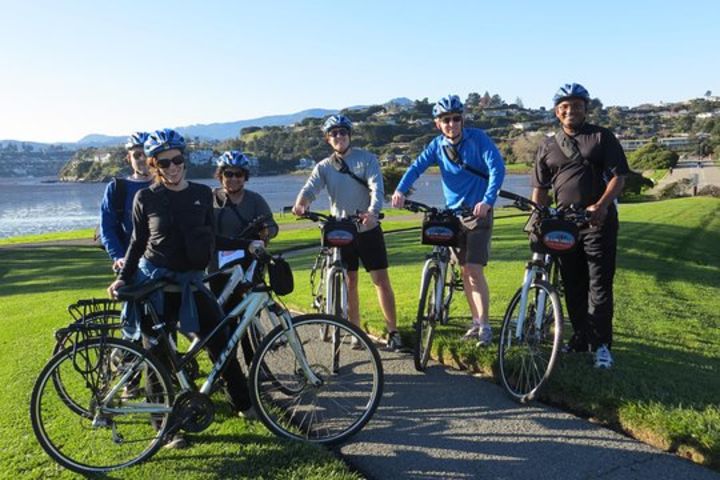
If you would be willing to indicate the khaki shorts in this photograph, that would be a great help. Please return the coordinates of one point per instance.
(474, 245)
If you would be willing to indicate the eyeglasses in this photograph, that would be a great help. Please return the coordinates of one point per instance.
(231, 174)
(339, 132)
(138, 154)
(165, 162)
(454, 119)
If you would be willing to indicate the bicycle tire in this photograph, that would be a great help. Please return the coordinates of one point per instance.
(66, 341)
(99, 441)
(327, 413)
(427, 315)
(526, 363)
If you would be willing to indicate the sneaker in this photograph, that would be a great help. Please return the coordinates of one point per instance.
(130, 391)
(355, 343)
(394, 341)
(249, 414)
(484, 336)
(176, 442)
(472, 333)
(603, 357)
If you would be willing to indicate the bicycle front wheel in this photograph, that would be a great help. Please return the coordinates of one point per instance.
(343, 401)
(426, 317)
(111, 431)
(529, 341)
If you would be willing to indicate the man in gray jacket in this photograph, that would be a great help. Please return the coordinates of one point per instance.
(354, 183)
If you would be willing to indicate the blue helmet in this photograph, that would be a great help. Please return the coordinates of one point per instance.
(234, 158)
(336, 121)
(137, 139)
(163, 140)
(571, 90)
(449, 104)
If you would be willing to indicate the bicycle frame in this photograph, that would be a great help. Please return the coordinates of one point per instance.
(536, 269)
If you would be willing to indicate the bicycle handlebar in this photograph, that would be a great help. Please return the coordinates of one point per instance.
(419, 207)
(572, 214)
(322, 217)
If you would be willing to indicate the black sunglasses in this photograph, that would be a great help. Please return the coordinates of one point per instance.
(165, 162)
(231, 174)
(339, 132)
(454, 118)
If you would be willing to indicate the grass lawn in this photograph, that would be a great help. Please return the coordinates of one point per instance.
(666, 384)
(664, 389)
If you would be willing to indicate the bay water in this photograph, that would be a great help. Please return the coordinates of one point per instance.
(41, 205)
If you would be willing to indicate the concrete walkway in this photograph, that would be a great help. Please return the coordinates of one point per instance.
(690, 167)
(446, 424)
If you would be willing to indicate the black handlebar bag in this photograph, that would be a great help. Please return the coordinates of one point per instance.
(554, 236)
(439, 229)
(281, 276)
(337, 233)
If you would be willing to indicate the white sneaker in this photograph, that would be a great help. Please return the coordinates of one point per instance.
(603, 357)
(355, 343)
(485, 336)
(249, 414)
(394, 341)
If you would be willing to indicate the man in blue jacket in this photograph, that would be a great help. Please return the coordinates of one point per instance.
(472, 172)
(116, 207)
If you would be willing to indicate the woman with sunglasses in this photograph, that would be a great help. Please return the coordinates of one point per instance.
(235, 208)
(174, 237)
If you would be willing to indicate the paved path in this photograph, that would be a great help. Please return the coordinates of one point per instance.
(446, 424)
(688, 167)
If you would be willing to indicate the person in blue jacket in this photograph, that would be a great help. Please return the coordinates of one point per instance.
(116, 213)
(472, 172)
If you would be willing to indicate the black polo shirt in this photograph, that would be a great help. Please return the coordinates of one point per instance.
(580, 183)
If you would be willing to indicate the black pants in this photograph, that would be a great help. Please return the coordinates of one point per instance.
(588, 279)
(209, 315)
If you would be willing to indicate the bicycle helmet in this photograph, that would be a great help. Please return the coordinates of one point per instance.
(571, 90)
(162, 140)
(137, 139)
(234, 158)
(449, 104)
(336, 121)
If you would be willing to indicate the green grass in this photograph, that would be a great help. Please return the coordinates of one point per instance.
(666, 383)
(36, 286)
(663, 390)
(49, 237)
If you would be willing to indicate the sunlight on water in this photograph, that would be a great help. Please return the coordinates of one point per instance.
(29, 206)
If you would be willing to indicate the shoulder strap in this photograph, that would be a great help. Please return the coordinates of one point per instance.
(454, 157)
(569, 148)
(119, 198)
(346, 170)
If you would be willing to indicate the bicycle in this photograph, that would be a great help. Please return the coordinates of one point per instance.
(440, 276)
(301, 388)
(532, 329)
(329, 276)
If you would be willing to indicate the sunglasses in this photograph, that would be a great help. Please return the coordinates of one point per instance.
(137, 155)
(165, 162)
(230, 174)
(454, 119)
(339, 132)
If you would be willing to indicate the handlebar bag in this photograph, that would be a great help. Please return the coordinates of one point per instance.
(281, 276)
(554, 236)
(336, 233)
(439, 229)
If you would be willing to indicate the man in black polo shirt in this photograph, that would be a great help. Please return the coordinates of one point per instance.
(585, 167)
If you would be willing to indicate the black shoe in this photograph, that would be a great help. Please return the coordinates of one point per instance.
(576, 345)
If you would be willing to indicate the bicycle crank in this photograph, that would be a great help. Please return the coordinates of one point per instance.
(193, 412)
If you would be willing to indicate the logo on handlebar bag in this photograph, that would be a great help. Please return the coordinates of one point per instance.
(559, 240)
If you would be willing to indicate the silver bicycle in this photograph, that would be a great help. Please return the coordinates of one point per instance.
(301, 387)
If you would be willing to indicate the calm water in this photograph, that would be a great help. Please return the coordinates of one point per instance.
(27, 205)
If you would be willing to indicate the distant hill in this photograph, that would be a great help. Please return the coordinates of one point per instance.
(224, 131)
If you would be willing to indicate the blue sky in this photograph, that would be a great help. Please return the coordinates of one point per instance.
(73, 68)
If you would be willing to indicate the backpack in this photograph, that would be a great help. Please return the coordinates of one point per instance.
(118, 205)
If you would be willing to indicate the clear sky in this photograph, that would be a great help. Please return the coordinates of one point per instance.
(70, 68)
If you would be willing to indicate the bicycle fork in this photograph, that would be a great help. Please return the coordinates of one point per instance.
(532, 272)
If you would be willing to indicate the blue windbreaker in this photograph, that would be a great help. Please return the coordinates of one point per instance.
(461, 187)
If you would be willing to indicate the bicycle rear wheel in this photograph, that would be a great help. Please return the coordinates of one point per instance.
(426, 317)
(111, 431)
(345, 400)
(527, 357)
